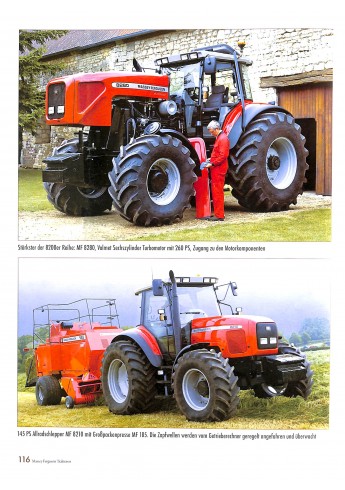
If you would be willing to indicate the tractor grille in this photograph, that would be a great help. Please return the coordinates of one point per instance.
(267, 335)
(56, 101)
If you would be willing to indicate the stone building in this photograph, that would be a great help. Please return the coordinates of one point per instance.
(293, 66)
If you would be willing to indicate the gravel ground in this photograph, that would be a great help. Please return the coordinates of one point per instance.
(53, 225)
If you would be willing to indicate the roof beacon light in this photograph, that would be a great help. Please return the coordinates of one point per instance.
(241, 45)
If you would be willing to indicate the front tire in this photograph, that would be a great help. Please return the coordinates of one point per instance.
(269, 391)
(48, 391)
(128, 379)
(304, 386)
(152, 180)
(296, 388)
(76, 201)
(268, 165)
(205, 387)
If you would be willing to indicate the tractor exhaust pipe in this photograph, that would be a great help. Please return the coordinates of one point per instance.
(175, 309)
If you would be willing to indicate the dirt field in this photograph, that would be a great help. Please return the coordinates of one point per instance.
(53, 225)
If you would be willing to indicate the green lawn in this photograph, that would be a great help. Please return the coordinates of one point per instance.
(31, 193)
(300, 226)
(303, 226)
(253, 413)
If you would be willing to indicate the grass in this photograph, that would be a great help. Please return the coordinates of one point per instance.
(31, 194)
(303, 226)
(276, 414)
(300, 226)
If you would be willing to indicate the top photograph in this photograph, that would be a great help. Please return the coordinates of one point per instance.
(177, 135)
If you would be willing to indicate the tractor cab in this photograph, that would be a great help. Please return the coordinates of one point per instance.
(168, 317)
(207, 83)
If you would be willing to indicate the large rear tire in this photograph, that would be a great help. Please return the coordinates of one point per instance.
(128, 379)
(152, 180)
(268, 165)
(205, 387)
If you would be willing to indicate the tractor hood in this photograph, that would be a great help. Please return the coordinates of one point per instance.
(236, 335)
(85, 99)
(228, 320)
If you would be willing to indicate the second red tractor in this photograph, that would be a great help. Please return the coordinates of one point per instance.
(183, 347)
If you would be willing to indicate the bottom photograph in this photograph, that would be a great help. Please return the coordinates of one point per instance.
(179, 343)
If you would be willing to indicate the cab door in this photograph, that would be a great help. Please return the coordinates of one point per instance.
(156, 323)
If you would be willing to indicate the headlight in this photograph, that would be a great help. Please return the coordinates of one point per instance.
(267, 335)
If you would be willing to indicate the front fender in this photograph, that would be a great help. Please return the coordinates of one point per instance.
(187, 348)
(185, 141)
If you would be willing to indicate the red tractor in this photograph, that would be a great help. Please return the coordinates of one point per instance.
(184, 346)
(144, 135)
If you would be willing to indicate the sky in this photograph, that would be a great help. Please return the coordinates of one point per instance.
(286, 290)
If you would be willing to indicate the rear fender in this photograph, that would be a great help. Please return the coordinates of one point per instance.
(146, 341)
(235, 131)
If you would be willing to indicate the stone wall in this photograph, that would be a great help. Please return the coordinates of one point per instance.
(275, 52)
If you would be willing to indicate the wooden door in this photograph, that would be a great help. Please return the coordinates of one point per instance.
(314, 101)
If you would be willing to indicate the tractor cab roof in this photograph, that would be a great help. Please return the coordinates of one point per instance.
(221, 52)
(187, 281)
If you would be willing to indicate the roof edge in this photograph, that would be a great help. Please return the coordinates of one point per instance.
(101, 43)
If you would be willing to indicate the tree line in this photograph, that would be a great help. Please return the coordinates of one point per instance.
(313, 330)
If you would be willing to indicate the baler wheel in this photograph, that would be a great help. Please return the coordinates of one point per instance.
(268, 164)
(152, 180)
(69, 402)
(48, 391)
(205, 386)
(128, 379)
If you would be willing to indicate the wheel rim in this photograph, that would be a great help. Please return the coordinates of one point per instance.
(274, 390)
(92, 193)
(40, 394)
(281, 163)
(118, 381)
(163, 181)
(196, 390)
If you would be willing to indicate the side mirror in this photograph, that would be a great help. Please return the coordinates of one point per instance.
(157, 287)
(210, 65)
(233, 288)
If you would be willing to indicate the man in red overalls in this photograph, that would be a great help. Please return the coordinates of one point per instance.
(218, 165)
